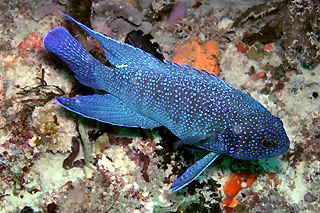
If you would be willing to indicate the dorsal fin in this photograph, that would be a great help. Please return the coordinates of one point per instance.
(122, 54)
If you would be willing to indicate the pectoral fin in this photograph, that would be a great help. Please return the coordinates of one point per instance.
(193, 172)
(199, 141)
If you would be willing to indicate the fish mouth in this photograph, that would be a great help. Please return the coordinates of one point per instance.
(285, 150)
(286, 147)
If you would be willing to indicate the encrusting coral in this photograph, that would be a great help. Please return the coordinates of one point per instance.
(2, 91)
(33, 42)
(200, 56)
(296, 24)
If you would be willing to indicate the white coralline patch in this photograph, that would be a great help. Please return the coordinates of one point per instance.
(51, 121)
(48, 176)
(121, 164)
(225, 23)
(233, 64)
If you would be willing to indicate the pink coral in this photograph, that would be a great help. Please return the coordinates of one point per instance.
(178, 12)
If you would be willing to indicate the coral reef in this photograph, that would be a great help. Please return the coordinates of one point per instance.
(131, 169)
(200, 56)
(159, 9)
(118, 17)
(203, 23)
(33, 42)
(69, 162)
(48, 9)
(242, 47)
(81, 10)
(256, 51)
(296, 23)
(2, 92)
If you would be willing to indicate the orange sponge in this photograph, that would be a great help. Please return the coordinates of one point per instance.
(198, 55)
(235, 182)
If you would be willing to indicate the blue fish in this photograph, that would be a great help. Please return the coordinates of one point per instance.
(196, 106)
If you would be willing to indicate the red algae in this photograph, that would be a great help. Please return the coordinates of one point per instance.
(196, 5)
(268, 46)
(272, 176)
(33, 42)
(258, 76)
(242, 47)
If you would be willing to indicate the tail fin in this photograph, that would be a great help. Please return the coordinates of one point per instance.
(86, 68)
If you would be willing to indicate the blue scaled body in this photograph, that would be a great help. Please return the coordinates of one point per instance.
(198, 107)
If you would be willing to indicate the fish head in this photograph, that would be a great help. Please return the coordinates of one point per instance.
(256, 137)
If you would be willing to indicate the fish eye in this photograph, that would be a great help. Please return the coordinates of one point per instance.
(267, 143)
